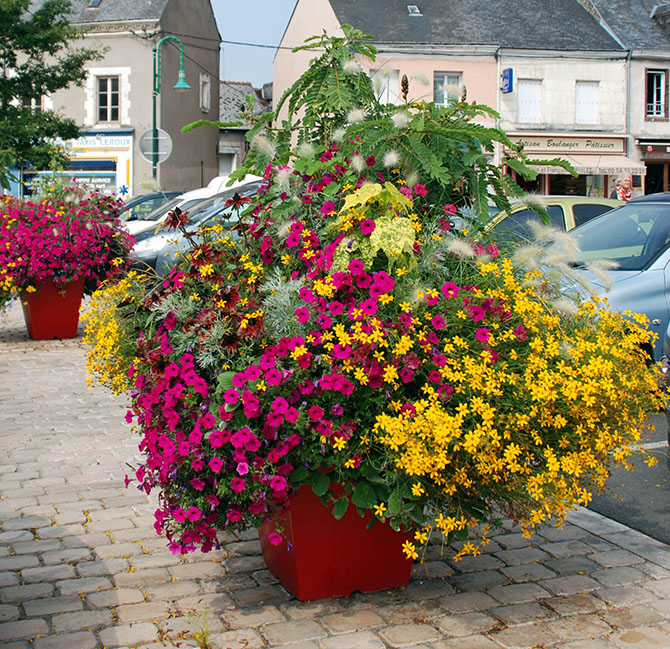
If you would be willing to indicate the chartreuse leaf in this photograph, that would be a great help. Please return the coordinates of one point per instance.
(364, 495)
(340, 507)
(393, 235)
(320, 483)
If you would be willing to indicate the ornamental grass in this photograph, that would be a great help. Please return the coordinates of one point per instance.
(338, 327)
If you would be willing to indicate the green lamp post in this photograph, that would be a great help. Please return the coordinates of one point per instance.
(180, 85)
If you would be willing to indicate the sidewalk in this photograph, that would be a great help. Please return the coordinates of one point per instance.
(82, 568)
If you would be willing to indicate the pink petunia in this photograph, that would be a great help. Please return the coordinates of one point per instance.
(193, 514)
(356, 267)
(215, 464)
(420, 190)
(278, 483)
(273, 377)
(315, 413)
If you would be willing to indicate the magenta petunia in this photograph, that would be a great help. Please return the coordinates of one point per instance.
(328, 208)
(215, 464)
(238, 484)
(273, 377)
(275, 537)
(278, 483)
(302, 314)
(367, 226)
(449, 289)
(420, 190)
(193, 514)
(438, 322)
(483, 334)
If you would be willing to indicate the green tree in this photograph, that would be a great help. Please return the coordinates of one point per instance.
(36, 59)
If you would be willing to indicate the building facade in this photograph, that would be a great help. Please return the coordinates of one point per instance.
(115, 105)
(558, 78)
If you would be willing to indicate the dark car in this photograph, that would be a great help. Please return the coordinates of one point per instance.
(139, 206)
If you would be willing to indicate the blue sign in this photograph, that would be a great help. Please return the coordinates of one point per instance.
(507, 80)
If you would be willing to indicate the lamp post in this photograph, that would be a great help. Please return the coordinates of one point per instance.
(180, 85)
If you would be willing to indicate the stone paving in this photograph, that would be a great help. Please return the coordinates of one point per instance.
(81, 566)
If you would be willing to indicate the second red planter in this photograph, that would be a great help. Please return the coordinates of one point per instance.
(333, 558)
(53, 311)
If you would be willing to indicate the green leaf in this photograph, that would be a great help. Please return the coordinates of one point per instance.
(417, 515)
(364, 495)
(461, 535)
(371, 523)
(225, 380)
(320, 483)
(340, 507)
(299, 475)
(395, 504)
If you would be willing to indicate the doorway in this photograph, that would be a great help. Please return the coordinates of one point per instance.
(656, 179)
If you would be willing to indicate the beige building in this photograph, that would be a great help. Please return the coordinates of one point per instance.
(114, 107)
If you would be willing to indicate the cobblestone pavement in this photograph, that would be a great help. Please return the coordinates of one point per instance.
(81, 566)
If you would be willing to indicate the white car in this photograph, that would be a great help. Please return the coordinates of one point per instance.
(185, 202)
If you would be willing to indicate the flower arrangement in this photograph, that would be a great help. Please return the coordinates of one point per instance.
(68, 234)
(339, 328)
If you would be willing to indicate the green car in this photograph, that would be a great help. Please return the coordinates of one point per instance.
(565, 213)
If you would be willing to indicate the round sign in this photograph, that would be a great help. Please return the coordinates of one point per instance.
(163, 145)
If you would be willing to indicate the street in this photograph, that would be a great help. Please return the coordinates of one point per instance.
(641, 498)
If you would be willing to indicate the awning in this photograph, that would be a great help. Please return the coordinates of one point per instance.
(589, 164)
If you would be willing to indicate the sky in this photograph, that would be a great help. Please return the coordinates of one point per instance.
(259, 22)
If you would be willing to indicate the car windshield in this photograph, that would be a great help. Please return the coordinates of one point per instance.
(633, 236)
(163, 209)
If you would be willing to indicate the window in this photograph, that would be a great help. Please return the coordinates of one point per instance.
(205, 93)
(35, 104)
(656, 93)
(386, 84)
(446, 85)
(108, 99)
(586, 102)
(516, 226)
(529, 101)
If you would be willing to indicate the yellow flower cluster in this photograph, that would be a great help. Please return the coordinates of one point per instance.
(536, 430)
(104, 335)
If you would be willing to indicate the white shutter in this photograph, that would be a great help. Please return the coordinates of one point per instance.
(529, 102)
(386, 83)
(586, 102)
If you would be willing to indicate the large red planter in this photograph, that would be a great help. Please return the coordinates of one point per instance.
(331, 558)
(53, 311)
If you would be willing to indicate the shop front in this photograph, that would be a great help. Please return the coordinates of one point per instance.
(103, 160)
(597, 160)
(656, 157)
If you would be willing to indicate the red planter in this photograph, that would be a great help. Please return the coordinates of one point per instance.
(331, 558)
(52, 311)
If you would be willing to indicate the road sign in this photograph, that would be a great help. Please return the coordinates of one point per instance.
(507, 80)
(163, 145)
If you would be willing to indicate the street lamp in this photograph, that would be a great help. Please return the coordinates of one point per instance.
(180, 85)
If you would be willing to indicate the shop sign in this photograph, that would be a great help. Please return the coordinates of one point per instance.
(569, 144)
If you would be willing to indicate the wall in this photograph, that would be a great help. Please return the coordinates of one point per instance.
(560, 72)
(310, 17)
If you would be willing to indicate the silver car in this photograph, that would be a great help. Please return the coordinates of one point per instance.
(636, 237)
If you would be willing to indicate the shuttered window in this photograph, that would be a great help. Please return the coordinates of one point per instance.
(529, 101)
(586, 102)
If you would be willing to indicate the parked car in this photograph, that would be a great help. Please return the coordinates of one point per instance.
(186, 201)
(565, 213)
(637, 237)
(665, 368)
(158, 248)
(138, 207)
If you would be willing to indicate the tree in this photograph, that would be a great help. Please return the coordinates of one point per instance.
(36, 59)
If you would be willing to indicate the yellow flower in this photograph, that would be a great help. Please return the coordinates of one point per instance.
(380, 509)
